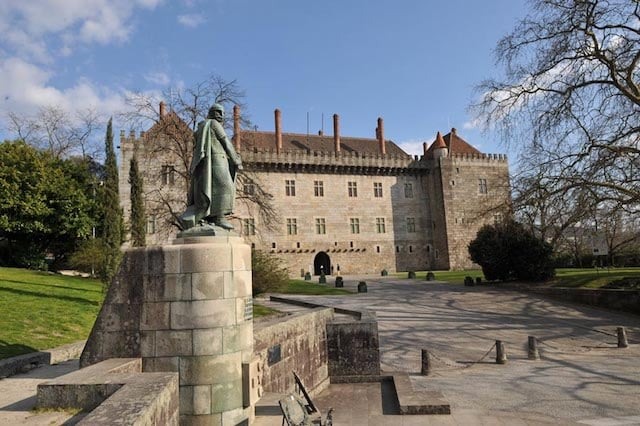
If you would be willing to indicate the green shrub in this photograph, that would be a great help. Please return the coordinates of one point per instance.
(468, 281)
(507, 251)
(90, 257)
(430, 276)
(267, 273)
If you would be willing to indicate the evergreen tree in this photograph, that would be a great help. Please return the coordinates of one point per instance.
(112, 230)
(138, 231)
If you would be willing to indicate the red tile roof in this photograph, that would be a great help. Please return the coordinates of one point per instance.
(453, 142)
(291, 142)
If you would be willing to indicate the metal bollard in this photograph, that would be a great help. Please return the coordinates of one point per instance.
(501, 354)
(622, 338)
(533, 348)
(426, 363)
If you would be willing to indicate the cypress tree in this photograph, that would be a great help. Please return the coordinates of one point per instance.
(112, 230)
(138, 231)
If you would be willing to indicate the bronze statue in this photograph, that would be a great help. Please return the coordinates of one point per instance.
(213, 174)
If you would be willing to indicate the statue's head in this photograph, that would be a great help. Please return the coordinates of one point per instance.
(216, 112)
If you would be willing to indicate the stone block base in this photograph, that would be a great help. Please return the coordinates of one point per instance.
(115, 392)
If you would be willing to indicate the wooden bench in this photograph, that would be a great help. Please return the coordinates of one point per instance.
(297, 411)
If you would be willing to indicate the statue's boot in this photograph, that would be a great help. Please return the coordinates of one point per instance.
(222, 223)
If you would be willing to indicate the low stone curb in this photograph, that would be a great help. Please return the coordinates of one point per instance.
(411, 401)
(23, 363)
(115, 391)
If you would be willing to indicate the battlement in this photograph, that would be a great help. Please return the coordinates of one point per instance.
(329, 160)
(131, 137)
(475, 157)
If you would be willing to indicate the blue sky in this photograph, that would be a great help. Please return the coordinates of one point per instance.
(413, 62)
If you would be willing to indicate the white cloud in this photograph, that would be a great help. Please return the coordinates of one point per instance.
(412, 146)
(159, 78)
(473, 124)
(25, 87)
(191, 20)
(28, 27)
(38, 33)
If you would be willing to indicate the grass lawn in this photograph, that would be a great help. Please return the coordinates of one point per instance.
(41, 311)
(590, 277)
(298, 287)
(454, 277)
(309, 288)
(262, 311)
(565, 277)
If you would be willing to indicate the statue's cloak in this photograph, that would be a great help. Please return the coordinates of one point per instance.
(212, 190)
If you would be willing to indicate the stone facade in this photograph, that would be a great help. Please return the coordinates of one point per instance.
(187, 308)
(345, 205)
(295, 343)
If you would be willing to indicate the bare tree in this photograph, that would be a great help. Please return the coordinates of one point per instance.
(619, 228)
(572, 91)
(56, 130)
(169, 140)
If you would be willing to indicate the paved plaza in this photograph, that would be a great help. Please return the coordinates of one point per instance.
(582, 378)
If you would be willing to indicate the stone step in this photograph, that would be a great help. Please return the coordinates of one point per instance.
(411, 401)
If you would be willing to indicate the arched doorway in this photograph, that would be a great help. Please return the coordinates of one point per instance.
(321, 263)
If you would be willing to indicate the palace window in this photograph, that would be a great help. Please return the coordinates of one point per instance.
(292, 226)
(318, 188)
(290, 188)
(380, 226)
(167, 173)
(377, 189)
(355, 225)
(482, 186)
(411, 224)
(249, 226)
(321, 225)
(352, 188)
(151, 224)
(408, 190)
(249, 189)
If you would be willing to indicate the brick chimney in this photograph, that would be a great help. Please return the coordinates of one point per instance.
(163, 109)
(278, 117)
(336, 132)
(424, 148)
(380, 135)
(236, 127)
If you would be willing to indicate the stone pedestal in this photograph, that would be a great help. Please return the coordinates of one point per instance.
(185, 307)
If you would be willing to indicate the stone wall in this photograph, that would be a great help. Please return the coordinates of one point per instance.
(446, 207)
(368, 251)
(621, 300)
(298, 343)
(153, 155)
(466, 208)
(354, 347)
